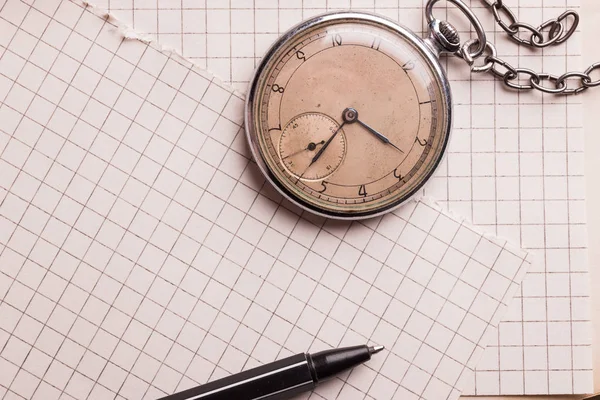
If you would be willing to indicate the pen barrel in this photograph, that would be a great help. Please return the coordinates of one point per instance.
(280, 380)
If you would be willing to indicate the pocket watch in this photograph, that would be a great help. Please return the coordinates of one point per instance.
(349, 114)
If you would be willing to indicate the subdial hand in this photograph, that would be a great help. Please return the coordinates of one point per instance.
(351, 116)
(311, 147)
(327, 143)
(322, 150)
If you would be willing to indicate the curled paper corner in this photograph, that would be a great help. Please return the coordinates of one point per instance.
(491, 236)
(436, 204)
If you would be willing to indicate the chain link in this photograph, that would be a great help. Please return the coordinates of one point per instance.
(590, 83)
(559, 87)
(557, 33)
(552, 32)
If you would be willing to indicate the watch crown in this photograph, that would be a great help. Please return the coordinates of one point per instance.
(449, 32)
(443, 37)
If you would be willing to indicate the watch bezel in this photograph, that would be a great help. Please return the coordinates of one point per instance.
(348, 16)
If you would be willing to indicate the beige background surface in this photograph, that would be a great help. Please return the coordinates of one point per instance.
(590, 18)
(592, 122)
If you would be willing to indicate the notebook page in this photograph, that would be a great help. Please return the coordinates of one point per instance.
(142, 252)
(515, 164)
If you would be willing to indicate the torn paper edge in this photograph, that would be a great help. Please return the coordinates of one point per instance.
(129, 33)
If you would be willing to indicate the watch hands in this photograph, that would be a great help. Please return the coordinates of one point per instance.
(327, 143)
(351, 116)
(379, 135)
(311, 147)
(322, 149)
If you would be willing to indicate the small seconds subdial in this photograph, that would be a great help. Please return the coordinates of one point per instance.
(300, 144)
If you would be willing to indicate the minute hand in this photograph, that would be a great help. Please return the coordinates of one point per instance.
(378, 135)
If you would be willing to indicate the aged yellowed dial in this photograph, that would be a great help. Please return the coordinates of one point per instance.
(349, 115)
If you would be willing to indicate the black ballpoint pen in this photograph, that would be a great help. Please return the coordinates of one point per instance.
(281, 379)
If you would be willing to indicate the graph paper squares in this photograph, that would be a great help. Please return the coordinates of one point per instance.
(227, 37)
(131, 265)
(515, 163)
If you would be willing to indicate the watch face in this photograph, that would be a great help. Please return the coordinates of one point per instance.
(348, 115)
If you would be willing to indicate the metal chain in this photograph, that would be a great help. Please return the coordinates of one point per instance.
(552, 32)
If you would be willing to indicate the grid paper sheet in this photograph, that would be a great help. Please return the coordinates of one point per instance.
(515, 168)
(143, 253)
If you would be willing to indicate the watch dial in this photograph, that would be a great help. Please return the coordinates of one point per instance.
(349, 116)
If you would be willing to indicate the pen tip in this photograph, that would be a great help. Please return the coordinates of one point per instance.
(375, 349)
